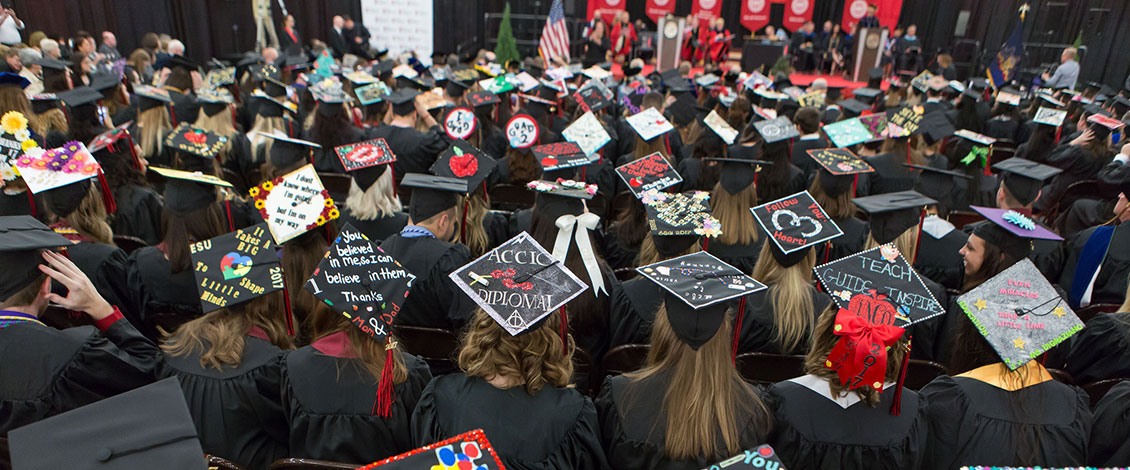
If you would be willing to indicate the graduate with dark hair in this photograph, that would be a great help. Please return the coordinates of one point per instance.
(415, 151)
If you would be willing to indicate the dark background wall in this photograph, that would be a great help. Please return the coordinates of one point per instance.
(216, 27)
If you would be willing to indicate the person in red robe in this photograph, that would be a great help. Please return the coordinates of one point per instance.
(623, 35)
(718, 43)
(691, 44)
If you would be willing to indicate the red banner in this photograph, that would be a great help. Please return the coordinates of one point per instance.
(606, 8)
(888, 14)
(657, 8)
(797, 12)
(706, 10)
(755, 14)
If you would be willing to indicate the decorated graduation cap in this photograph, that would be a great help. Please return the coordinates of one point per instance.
(460, 122)
(1020, 314)
(22, 237)
(522, 131)
(288, 151)
(838, 169)
(196, 141)
(469, 450)
(519, 284)
(892, 214)
(374, 93)
(560, 155)
(878, 274)
(591, 99)
(793, 224)
(1025, 178)
(649, 123)
(482, 98)
(105, 434)
(294, 203)
(588, 133)
(650, 173)
(697, 287)
(905, 121)
(462, 160)
(760, 457)
(110, 139)
(237, 267)
(813, 99)
(1049, 116)
(189, 191)
(1010, 231)
(220, 77)
(719, 125)
(43, 102)
(271, 106)
(366, 161)
(1103, 125)
(740, 167)
(151, 97)
(677, 221)
(1008, 97)
(432, 194)
(847, 132)
(214, 100)
(63, 175)
(776, 130)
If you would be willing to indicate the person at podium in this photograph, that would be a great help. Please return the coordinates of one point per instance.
(870, 20)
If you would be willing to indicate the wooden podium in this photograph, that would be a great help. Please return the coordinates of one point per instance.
(868, 52)
(669, 43)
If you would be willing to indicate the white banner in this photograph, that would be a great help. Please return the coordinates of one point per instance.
(400, 26)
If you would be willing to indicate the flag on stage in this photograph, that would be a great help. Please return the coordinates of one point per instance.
(1007, 61)
(555, 36)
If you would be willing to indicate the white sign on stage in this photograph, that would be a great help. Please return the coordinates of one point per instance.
(400, 26)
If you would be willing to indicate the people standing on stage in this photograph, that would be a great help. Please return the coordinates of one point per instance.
(691, 44)
(1066, 74)
(888, 49)
(719, 45)
(357, 35)
(623, 36)
(290, 37)
(870, 20)
(336, 40)
(264, 25)
(596, 45)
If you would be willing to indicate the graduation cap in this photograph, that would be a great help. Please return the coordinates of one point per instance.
(867, 95)
(881, 275)
(519, 284)
(22, 237)
(760, 457)
(432, 194)
(922, 81)
(13, 79)
(109, 138)
(287, 151)
(776, 130)
(905, 121)
(43, 102)
(1009, 97)
(360, 77)
(957, 86)
(522, 131)
(220, 77)
(681, 214)
(1103, 125)
(189, 191)
(1020, 314)
(49, 64)
(1010, 230)
(462, 160)
(373, 93)
(740, 167)
(649, 123)
(80, 96)
(719, 125)
(273, 107)
(794, 223)
(470, 449)
(560, 155)
(937, 183)
(1051, 100)
(214, 100)
(935, 127)
(892, 214)
(588, 133)
(403, 101)
(591, 99)
(1121, 105)
(151, 97)
(294, 203)
(361, 155)
(105, 434)
(496, 85)
(482, 98)
(53, 168)
(105, 83)
(697, 287)
(649, 173)
(840, 161)
(1024, 178)
(847, 132)
(576, 190)
(1096, 110)
(706, 80)
(196, 141)
(1049, 116)
(236, 267)
(459, 123)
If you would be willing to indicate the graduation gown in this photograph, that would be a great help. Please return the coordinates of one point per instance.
(47, 371)
(155, 290)
(237, 410)
(415, 151)
(555, 429)
(974, 423)
(328, 397)
(850, 243)
(185, 107)
(139, 213)
(634, 304)
(743, 257)
(794, 183)
(376, 229)
(813, 430)
(1110, 285)
(1109, 446)
(497, 226)
(19, 204)
(1077, 165)
(1099, 352)
(434, 300)
(800, 156)
(616, 252)
(105, 265)
(938, 255)
(632, 425)
(758, 329)
(889, 176)
(326, 159)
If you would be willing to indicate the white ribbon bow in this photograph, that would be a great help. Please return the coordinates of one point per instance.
(583, 223)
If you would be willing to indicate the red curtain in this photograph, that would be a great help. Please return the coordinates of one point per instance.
(889, 11)
(797, 12)
(706, 9)
(657, 8)
(607, 8)
(755, 14)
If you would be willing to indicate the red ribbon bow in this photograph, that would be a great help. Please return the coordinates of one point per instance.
(860, 356)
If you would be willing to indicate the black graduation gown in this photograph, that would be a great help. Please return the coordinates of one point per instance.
(795, 182)
(758, 329)
(415, 151)
(19, 204)
(889, 176)
(632, 425)
(1110, 286)
(139, 213)
(1077, 165)
(974, 423)
(434, 300)
(812, 431)
(237, 410)
(497, 226)
(634, 304)
(520, 222)
(1009, 129)
(47, 371)
(1109, 446)
(743, 257)
(939, 258)
(800, 156)
(155, 290)
(329, 400)
(185, 107)
(555, 429)
(616, 252)
(1101, 351)
(850, 243)
(377, 229)
(326, 159)
(105, 265)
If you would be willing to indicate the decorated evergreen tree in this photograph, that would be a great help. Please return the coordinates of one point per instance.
(506, 48)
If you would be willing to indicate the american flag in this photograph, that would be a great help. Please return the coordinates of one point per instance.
(554, 37)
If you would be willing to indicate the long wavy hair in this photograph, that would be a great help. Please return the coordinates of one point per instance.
(534, 359)
(13, 99)
(323, 322)
(152, 125)
(378, 201)
(906, 242)
(732, 210)
(89, 218)
(838, 207)
(707, 402)
(790, 296)
(522, 165)
(477, 208)
(658, 144)
(630, 227)
(650, 255)
(220, 336)
(261, 146)
(587, 312)
(300, 258)
(995, 261)
(181, 230)
(824, 339)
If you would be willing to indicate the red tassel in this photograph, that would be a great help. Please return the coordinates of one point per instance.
(737, 331)
(827, 251)
(564, 331)
(107, 196)
(854, 183)
(1057, 132)
(233, 120)
(286, 305)
(133, 152)
(31, 202)
(989, 161)
(463, 225)
(172, 115)
(908, 151)
(584, 174)
(227, 209)
(896, 403)
(705, 243)
(382, 406)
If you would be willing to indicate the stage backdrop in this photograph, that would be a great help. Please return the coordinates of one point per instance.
(755, 14)
(400, 26)
(607, 8)
(798, 12)
(706, 9)
(889, 11)
(658, 8)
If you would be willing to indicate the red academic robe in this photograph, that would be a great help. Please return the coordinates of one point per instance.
(718, 45)
(629, 37)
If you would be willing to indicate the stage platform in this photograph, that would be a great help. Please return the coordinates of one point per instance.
(798, 79)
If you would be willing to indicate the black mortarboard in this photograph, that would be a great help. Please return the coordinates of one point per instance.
(1020, 314)
(275, 88)
(794, 223)
(50, 64)
(236, 267)
(867, 95)
(403, 101)
(740, 167)
(518, 284)
(1121, 105)
(697, 287)
(591, 99)
(935, 127)
(288, 151)
(677, 221)
(432, 194)
(892, 214)
(105, 83)
(776, 130)
(366, 161)
(196, 141)
(462, 160)
(214, 100)
(22, 237)
(482, 98)
(151, 97)
(652, 172)
(937, 183)
(880, 274)
(838, 169)
(189, 191)
(43, 102)
(105, 435)
(1024, 178)
(1050, 117)
(362, 282)
(180, 61)
(80, 96)
(273, 107)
